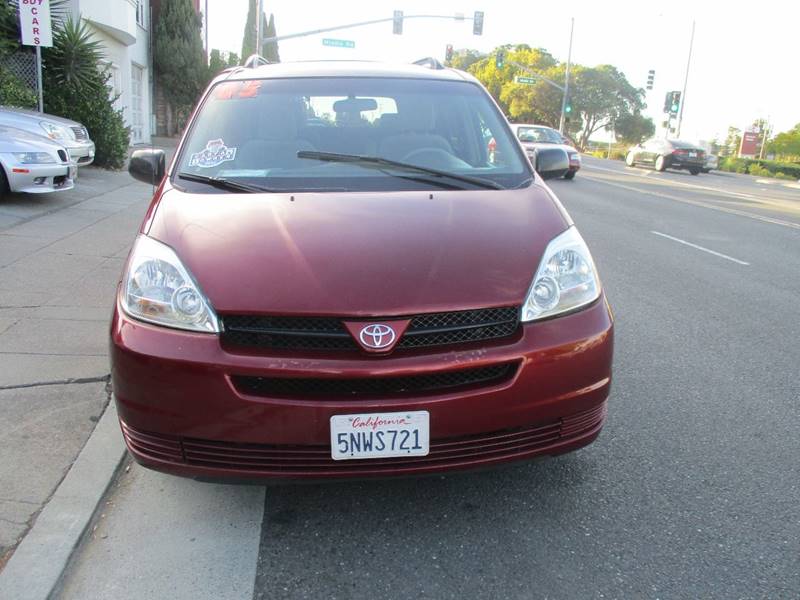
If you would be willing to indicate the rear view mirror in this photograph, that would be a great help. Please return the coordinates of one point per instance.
(355, 105)
(148, 165)
(551, 162)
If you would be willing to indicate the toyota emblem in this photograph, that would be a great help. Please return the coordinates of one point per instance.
(377, 336)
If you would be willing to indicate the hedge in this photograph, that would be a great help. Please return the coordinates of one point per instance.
(760, 168)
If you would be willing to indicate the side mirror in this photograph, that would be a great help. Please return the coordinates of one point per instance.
(551, 162)
(148, 165)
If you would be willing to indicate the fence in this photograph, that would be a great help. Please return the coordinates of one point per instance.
(23, 65)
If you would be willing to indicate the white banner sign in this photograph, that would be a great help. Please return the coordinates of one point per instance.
(34, 21)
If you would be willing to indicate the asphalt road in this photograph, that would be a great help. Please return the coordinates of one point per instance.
(691, 491)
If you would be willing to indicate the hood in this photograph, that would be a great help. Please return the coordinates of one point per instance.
(36, 117)
(18, 140)
(360, 254)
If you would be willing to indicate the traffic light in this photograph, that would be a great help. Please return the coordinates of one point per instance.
(651, 75)
(500, 59)
(397, 22)
(568, 109)
(448, 52)
(668, 101)
(477, 23)
(676, 103)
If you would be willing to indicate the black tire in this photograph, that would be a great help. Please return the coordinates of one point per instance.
(570, 175)
(661, 163)
(694, 171)
(630, 159)
(3, 184)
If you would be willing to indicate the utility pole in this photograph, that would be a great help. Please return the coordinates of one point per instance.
(566, 79)
(259, 33)
(685, 83)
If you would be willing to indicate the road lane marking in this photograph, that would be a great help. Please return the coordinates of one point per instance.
(696, 247)
(732, 211)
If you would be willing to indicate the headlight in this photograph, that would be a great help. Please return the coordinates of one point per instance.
(34, 158)
(53, 131)
(565, 280)
(158, 288)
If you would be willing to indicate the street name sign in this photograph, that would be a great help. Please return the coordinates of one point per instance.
(525, 80)
(338, 43)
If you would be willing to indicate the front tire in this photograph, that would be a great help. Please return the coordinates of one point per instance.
(570, 175)
(661, 164)
(4, 189)
(694, 171)
(629, 159)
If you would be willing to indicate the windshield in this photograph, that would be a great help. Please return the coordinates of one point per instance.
(539, 134)
(251, 131)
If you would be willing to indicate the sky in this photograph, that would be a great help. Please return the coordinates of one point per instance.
(742, 67)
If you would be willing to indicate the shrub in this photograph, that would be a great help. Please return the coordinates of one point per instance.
(14, 92)
(75, 89)
(759, 171)
(782, 175)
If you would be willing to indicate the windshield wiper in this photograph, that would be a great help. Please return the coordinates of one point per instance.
(381, 163)
(225, 184)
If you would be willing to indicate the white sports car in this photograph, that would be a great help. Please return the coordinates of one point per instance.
(33, 164)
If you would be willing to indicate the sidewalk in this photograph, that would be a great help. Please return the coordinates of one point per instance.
(60, 259)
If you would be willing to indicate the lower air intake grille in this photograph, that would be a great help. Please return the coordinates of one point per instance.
(328, 388)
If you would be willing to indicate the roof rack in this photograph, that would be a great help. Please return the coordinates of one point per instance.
(430, 63)
(255, 60)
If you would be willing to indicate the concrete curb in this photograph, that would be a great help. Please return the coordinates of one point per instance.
(35, 569)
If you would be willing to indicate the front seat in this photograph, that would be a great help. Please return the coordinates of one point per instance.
(409, 130)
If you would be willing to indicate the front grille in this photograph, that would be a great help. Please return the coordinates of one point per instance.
(62, 155)
(328, 333)
(372, 387)
(80, 133)
(309, 461)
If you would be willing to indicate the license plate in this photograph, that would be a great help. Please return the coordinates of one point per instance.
(380, 435)
(692, 154)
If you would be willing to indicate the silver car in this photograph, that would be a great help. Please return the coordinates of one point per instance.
(70, 134)
(535, 138)
(33, 164)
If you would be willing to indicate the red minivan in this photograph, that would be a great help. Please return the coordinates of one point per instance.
(334, 280)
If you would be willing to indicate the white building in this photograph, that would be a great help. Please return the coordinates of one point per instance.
(123, 27)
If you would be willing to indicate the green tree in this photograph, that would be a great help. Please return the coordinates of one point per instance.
(271, 49)
(215, 62)
(179, 60)
(633, 128)
(601, 95)
(787, 143)
(500, 82)
(732, 142)
(249, 36)
(464, 59)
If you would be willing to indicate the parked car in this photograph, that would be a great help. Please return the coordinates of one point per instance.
(712, 162)
(70, 134)
(537, 137)
(354, 301)
(33, 164)
(667, 154)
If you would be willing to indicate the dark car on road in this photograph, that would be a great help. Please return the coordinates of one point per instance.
(366, 298)
(668, 154)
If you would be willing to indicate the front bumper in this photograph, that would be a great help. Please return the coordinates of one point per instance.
(41, 179)
(82, 153)
(181, 413)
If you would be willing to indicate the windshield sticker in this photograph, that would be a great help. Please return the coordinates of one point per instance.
(237, 89)
(214, 154)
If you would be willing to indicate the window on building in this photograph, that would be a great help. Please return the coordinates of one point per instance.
(137, 102)
(140, 18)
